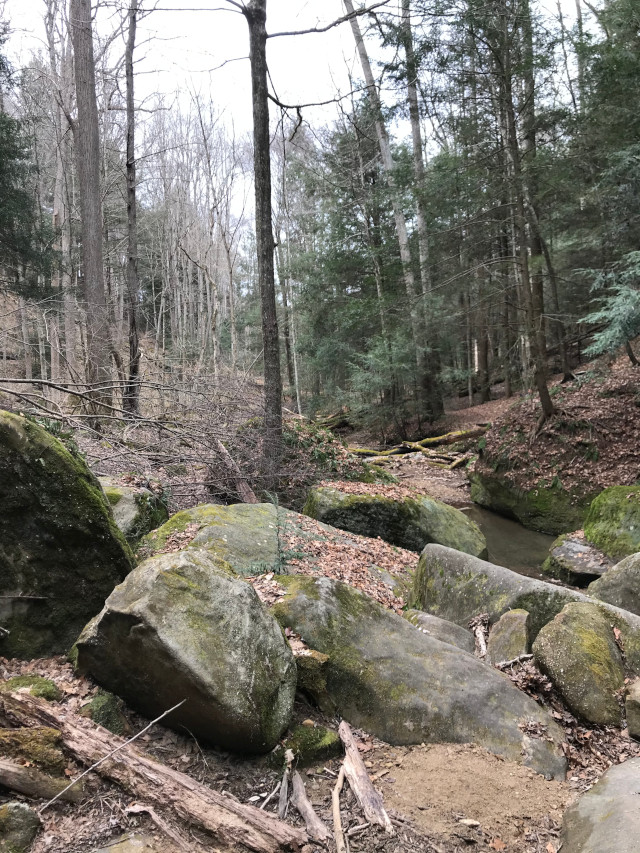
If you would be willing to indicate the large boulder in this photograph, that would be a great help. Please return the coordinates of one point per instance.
(577, 650)
(136, 509)
(406, 687)
(575, 561)
(620, 586)
(459, 587)
(607, 817)
(244, 535)
(410, 523)
(548, 509)
(613, 522)
(61, 553)
(19, 825)
(181, 626)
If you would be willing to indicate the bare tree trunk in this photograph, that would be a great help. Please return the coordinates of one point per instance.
(88, 166)
(131, 395)
(26, 344)
(255, 13)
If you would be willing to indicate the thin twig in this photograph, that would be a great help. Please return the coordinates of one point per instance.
(113, 752)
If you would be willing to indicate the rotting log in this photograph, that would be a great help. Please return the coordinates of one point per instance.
(433, 441)
(369, 799)
(246, 493)
(231, 822)
(34, 783)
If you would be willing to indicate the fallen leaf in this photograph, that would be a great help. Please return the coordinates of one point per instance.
(498, 844)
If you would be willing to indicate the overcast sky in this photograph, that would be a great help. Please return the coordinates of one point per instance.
(184, 49)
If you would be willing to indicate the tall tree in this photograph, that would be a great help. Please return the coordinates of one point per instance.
(87, 149)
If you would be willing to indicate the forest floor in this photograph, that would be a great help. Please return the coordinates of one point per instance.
(442, 798)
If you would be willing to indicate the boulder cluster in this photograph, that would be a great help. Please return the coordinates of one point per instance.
(184, 628)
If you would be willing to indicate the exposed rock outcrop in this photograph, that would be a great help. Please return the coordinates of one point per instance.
(613, 521)
(136, 510)
(181, 626)
(409, 523)
(407, 687)
(61, 553)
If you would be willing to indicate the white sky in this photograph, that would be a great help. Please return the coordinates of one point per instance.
(186, 46)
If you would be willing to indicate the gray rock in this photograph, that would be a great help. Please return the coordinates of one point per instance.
(19, 825)
(577, 650)
(458, 587)
(182, 627)
(573, 560)
(632, 709)
(440, 629)
(410, 523)
(606, 819)
(509, 637)
(61, 553)
(406, 687)
(136, 510)
(621, 585)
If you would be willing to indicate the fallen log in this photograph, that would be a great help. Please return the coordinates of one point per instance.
(358, 778)
(433, 441)
(335, 808)
(315, 827)
(34, 783)
(246, 493)
(229, 821)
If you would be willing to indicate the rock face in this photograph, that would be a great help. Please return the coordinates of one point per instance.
(613, 522)
(440, 629)
(60, 549)
(546, 509)
(244, 535)
(136, 510)
(578, 652)
(458, 587)
(509, 637)
(607, 817)
(19, 825)
(620, 586)
(632, 709)
(410, 523)
(407, 687)
(573, 560)
(182, 627)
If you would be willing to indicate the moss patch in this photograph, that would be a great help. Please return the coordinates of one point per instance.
(40, 745)
(38, 686)
(105, 709)
(309, 744)
(613, 522)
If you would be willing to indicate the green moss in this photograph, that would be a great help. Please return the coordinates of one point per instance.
(39, 745)
(38, 686)
(114, 496)
(613, 522)
(309, 744)
(105, 709)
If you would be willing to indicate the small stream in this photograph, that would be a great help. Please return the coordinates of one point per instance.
(509, 543)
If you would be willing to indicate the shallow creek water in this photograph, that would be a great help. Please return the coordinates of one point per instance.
(509, 543)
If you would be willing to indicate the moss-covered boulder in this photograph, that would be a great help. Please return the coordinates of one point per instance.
(620, 586)
(407, 687)
(136, 510)
(458, 587)
(106, 710)
(613, 522)
(577, 650)
(575, 561)
(548, 509)
(440, 629)
(182, 627)
(309, 744)
(61, 553)
(410, 523)
(19, 825)
(244, 535)
(606, 819)
(509, 637)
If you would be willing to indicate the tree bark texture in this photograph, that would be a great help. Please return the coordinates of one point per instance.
(255, 13)
(87, 150)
